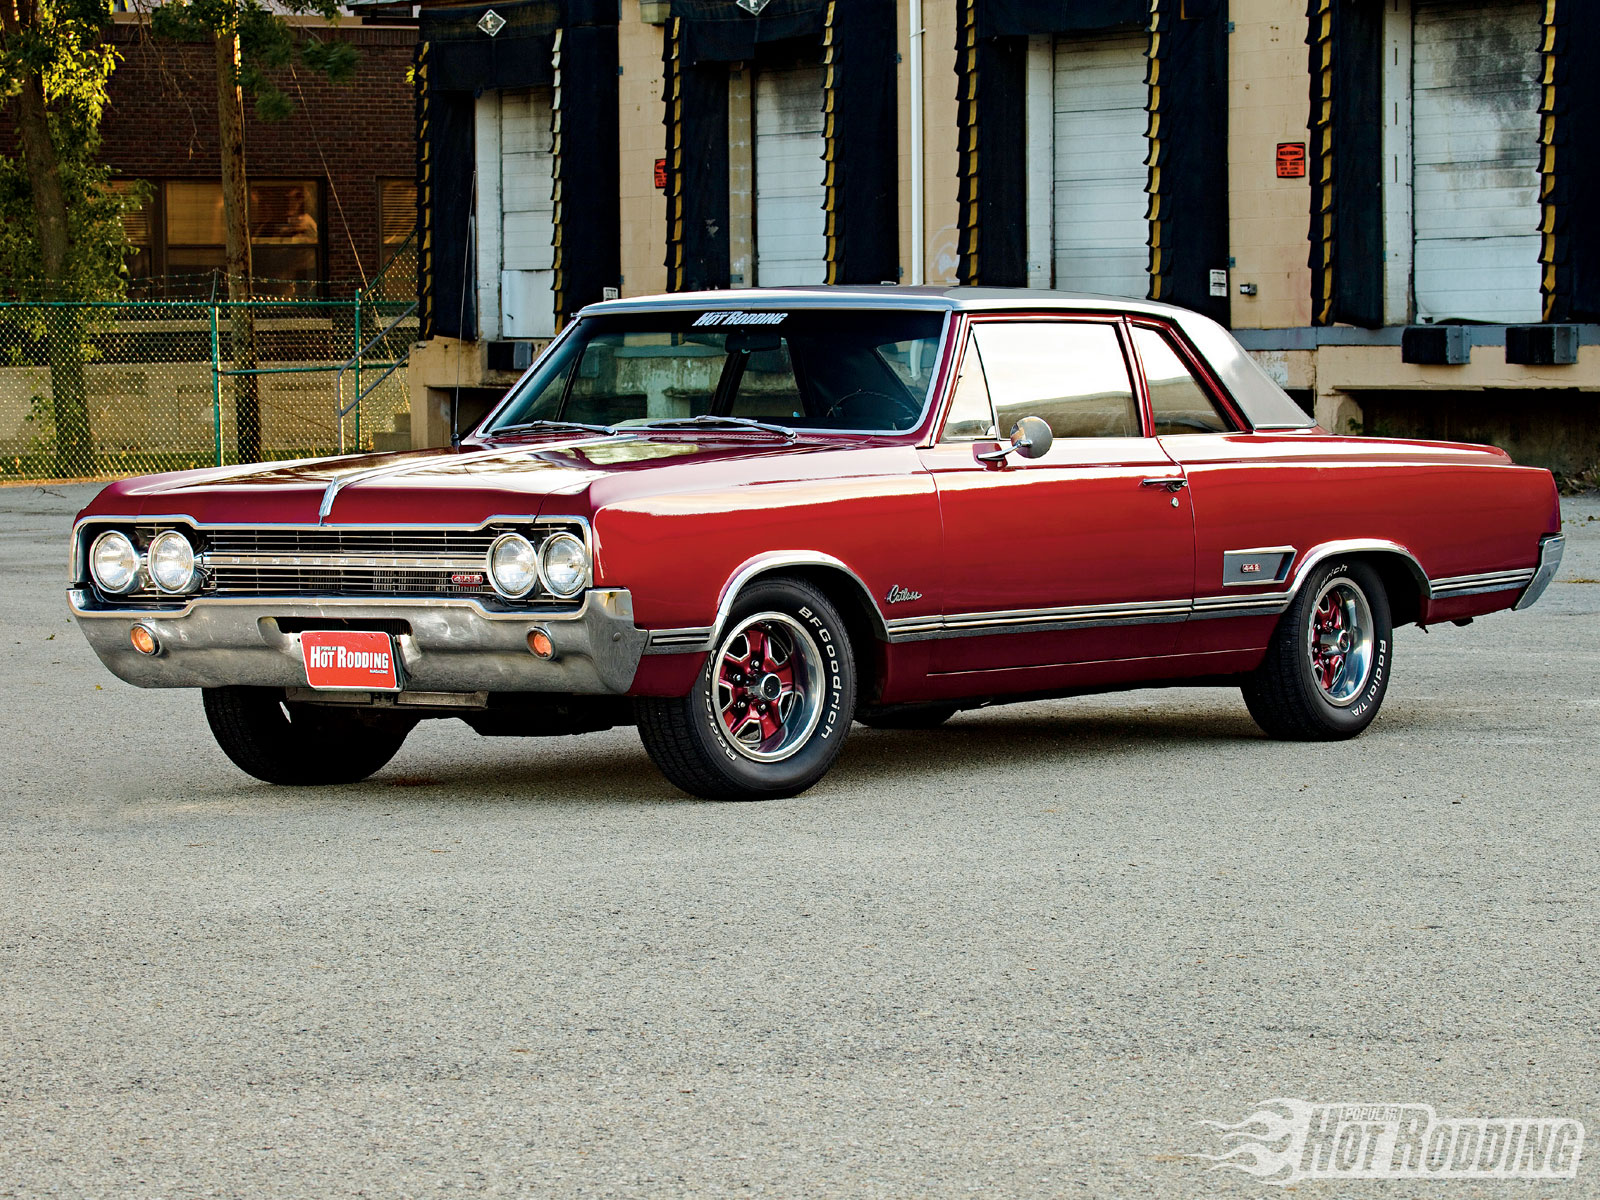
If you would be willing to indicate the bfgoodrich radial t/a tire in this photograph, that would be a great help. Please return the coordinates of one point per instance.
(771, 710)
(301, 745)
(1327, 668)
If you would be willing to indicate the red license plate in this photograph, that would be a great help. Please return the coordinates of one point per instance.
(350, 660)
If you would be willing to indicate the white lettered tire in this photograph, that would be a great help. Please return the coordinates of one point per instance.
(771, 710)
(1327, 668)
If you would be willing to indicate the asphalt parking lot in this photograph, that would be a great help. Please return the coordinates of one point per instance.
(1023, 956)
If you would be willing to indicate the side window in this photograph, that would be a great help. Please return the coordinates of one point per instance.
(1178, 402)
(970, 415)
(1073, 375)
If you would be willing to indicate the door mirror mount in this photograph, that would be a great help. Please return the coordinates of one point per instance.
(1031, 437)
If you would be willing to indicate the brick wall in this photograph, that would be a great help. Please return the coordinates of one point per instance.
(162, 124)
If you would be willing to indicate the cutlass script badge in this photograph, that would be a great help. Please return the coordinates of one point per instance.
(899, 595)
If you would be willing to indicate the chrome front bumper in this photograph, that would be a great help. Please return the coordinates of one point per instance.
(1551, 547)
(452, 645)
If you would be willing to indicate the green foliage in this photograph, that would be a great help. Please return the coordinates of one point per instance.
(267, 42)
(60, 40)
(96, 260)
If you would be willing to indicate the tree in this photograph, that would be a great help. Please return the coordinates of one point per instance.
(251, 43)
(61, 234)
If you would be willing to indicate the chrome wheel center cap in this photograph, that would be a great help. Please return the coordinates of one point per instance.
(770, 687)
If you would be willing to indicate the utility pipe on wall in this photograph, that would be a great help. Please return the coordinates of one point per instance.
(918, 248)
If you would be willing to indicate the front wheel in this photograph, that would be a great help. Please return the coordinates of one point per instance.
(301, 745)
(770, 712)
(1327, 667)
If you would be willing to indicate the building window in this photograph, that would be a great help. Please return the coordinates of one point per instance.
(179, 239)
(397, 223)
(397, 214)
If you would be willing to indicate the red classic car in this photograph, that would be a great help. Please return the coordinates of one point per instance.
(741, 520)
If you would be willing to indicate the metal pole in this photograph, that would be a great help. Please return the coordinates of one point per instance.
(216, 384)
(918, 237)
(358, 372)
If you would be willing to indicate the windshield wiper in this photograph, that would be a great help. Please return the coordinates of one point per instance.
(708, 420)
(584, 426)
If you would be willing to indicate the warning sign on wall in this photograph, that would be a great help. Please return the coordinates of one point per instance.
(1291, 160)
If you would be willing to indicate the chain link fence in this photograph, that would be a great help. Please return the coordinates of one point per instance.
(101, 390)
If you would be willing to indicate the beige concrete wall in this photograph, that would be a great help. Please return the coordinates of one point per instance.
(940, 164)
(642, 140)
(1268, 101)
(741, 177)
(1358, 368)
(938, 139)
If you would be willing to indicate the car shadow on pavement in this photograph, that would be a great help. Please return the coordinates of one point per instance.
(612, 769)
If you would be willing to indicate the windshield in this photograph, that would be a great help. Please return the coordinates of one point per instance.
(834, 369)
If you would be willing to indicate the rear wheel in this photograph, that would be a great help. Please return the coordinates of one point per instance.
(1327, 667)
(770, 712)
(301, 744)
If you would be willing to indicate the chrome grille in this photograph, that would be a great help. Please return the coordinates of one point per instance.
(347, 562)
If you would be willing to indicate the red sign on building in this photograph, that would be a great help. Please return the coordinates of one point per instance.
(1291, 160)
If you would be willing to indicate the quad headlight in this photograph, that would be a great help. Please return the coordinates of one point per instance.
(114, 562)
(513, 566)
(172, 562)
(565, 560)
(517, 567)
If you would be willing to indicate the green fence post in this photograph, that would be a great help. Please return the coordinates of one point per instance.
(216, 384)
(358, 371)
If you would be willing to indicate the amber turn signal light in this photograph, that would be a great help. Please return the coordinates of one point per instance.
(539, 642)
(143, 640)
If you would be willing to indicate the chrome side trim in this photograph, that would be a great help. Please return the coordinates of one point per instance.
(697, 639)
(1241, 606)
(1551, 548)
(1474, 585)
(1037, 620)
(762, 563)
(689, 640)
(1327, 550)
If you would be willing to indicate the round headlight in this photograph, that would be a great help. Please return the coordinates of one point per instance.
(172, 562)
(114, 562)
(513, 565)
(566, 564)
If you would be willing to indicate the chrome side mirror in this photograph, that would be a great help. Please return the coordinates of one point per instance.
(1030, 438)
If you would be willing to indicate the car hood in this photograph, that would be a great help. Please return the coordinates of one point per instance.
(459, 486)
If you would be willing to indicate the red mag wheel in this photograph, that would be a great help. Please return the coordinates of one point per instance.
(769, 682)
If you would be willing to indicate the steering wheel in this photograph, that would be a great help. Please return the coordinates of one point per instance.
(898, 411)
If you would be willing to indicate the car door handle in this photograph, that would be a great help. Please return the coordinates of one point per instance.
(1173, 483)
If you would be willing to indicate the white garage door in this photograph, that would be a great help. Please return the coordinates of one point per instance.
(1099, 212)
(516, 213)
(791, 233)
(1475, 109)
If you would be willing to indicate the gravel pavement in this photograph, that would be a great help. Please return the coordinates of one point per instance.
(1025, 955)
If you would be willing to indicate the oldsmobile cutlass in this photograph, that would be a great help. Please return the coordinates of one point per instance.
(742, 520)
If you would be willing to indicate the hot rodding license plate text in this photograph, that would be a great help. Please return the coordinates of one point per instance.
(356, 660)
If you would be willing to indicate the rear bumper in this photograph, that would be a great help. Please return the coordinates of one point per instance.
(447, 645)
(1551, 547)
